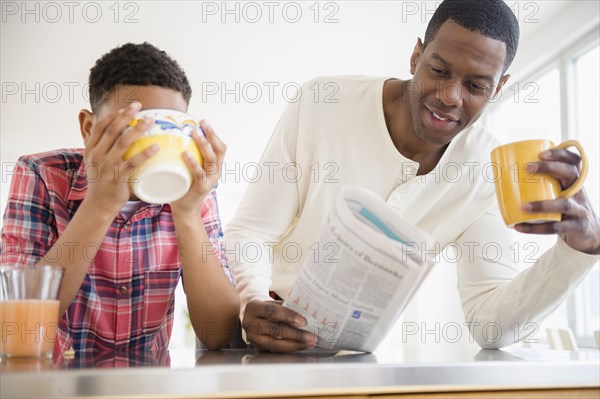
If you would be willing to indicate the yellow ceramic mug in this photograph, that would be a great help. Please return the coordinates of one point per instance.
(164, 178)
(516, 186)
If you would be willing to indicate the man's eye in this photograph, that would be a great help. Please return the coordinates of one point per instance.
(478, 87)
(437, 71)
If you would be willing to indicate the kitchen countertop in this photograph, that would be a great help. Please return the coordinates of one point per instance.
(247, 373)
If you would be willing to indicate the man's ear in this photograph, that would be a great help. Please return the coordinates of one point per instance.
(414, 58)
(501, 83)
(86, 121)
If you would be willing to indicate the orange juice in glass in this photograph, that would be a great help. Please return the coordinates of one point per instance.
(29, 310)
(28, 327)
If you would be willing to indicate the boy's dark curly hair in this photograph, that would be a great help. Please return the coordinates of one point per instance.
(135, 65)
(491, 18)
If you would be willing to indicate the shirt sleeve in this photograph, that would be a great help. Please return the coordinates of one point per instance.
(212, 224)
(266, 212)
(504, 300)
(28, 229)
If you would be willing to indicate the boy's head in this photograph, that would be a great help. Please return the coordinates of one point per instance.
(491, 18)
(134, 72)
(133, 66)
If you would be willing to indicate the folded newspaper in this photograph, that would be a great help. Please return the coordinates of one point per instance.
(352, 299)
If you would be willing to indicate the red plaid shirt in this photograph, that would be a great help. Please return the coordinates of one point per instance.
(126, 299)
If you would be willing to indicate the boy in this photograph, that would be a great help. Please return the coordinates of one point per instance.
(123, 257)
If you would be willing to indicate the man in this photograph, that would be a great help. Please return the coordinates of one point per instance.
(397, 138)
(123, 257)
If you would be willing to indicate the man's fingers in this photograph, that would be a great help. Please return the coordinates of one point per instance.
(274, 311)
(567, 173)
(279, 331)
(560, 228)
(271, 326)
(269, 343)
(567, 206)
(561, 155)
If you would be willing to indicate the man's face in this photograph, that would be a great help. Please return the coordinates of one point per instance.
(454, 78)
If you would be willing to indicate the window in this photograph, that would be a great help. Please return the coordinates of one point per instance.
(529, 110)
(559, 103)
(586, 317)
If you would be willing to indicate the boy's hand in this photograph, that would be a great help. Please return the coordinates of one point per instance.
(206, 175)
(108, 174)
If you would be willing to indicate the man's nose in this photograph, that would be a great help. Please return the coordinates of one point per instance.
(450, 94)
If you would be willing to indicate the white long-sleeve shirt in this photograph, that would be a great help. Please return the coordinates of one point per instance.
(322, 143)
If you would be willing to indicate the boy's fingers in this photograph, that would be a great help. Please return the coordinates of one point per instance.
(197, 172)
(117, 127)
(210, 162)
(129, 136)
(218, 146)
(140, 157)
(206, 150)
(98, 128)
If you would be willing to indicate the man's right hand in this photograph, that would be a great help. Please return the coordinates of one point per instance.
(271, 327)
(108, 174)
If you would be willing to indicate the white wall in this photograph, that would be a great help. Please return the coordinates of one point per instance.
(49, 47)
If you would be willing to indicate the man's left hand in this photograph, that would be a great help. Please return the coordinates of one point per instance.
(580, 226)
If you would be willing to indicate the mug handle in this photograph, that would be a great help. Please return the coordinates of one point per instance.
(577, 184)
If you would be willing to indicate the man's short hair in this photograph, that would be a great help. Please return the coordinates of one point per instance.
(491, 18)
(135, 65)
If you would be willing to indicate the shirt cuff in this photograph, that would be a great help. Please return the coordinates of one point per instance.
(574, 257)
